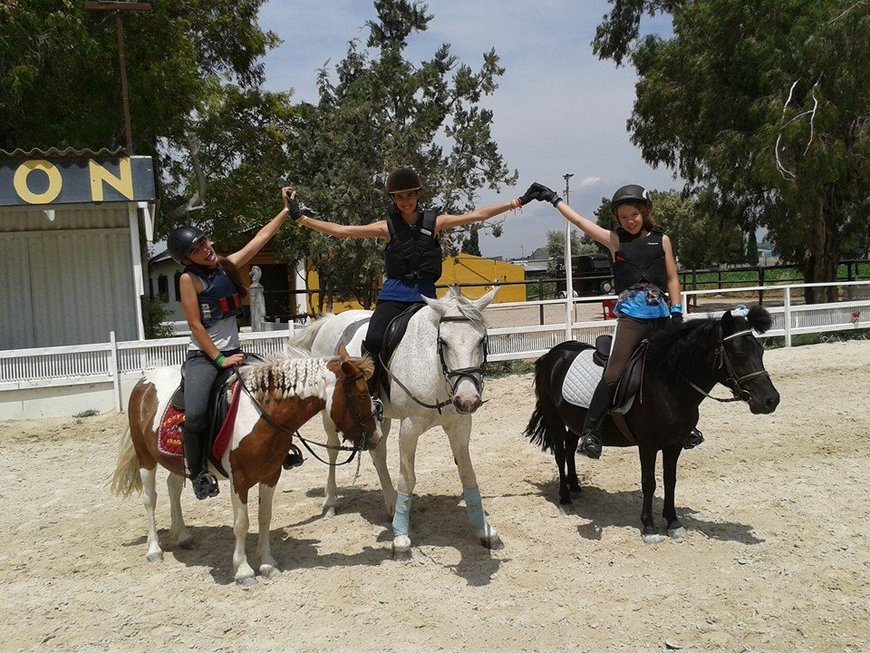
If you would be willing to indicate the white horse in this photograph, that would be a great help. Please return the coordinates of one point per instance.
(436, 380)
(278, 397)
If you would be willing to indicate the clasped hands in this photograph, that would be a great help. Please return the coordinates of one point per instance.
(541, 193)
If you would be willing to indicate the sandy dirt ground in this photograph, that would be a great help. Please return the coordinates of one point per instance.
(776, 557)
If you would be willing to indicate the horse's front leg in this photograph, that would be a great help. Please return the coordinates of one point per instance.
(379, 459)
(648, 456)
(268, 565)
(242, 571)
(178, 531)
(149, 500)
(670, 457)
(331, 490)
(459, 435)
(409, 434)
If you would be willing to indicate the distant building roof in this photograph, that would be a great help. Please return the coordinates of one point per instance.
(65, 152)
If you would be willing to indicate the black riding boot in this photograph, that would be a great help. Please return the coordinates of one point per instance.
(205, 485)
(590, 444)
(374, 382)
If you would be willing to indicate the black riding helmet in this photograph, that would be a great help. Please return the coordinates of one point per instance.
(402, 179)
(181, 241)
(630, 193)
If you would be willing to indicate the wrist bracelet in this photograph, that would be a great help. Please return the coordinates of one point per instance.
(676, 308)
(219, 361)
(556, 200)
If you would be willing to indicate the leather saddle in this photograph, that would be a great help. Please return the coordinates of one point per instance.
(392, 337)
(629, 385)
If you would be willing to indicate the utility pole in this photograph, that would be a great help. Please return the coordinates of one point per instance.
(569, 271)
(119, 6)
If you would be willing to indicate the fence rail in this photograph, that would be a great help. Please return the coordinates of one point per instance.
(116, 362)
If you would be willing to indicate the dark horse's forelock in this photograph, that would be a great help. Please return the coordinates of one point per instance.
(674, 354)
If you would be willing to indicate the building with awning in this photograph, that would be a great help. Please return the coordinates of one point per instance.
(71, 260)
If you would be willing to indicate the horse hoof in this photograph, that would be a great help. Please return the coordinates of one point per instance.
(329, 512)
(246, 582)
(677, 533)
(652, 538)
(154, 558)
(493, 543)
(269, 572)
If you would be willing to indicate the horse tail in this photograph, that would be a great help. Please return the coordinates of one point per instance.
(537, 430)
(126, 479)
(305, 338)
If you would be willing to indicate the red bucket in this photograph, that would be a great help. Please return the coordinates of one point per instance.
(608, 306)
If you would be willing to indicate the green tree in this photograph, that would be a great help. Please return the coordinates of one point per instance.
(580, 244)
(380, 111)
(764, 105)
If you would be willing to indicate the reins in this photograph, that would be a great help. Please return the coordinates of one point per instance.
(732, 380)
(275, 425)
(459, 373)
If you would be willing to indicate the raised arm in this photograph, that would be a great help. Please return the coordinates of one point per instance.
(447, 221)
(604, 236)
(263, 236)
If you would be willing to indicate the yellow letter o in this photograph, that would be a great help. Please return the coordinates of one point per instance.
(55, 182)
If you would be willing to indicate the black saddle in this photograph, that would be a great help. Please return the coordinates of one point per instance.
(392, 337)
(629, 384)
(218, 404)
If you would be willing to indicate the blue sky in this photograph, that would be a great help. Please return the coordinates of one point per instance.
(558, 109)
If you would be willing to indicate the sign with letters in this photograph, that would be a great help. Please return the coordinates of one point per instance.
(46, 182)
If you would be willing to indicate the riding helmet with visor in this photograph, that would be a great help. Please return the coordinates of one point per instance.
(631, 193)
(182, 241)
(402, 179)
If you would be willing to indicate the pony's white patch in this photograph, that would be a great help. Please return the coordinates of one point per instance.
(165, 380)
(739, 311)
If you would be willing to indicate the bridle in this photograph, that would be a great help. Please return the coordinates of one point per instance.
(358, 421)
(474, 374)
(732, 380)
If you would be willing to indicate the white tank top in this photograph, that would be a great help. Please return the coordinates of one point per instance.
(223, 333)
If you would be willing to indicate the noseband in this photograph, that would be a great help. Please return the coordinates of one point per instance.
(732, 381)
(474, 374)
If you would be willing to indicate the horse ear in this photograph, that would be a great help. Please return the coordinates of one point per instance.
(727, 320)
(484, 301)
(342, 352)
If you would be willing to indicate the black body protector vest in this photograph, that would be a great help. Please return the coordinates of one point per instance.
(219, 298)
(640, 259)
(413, 252)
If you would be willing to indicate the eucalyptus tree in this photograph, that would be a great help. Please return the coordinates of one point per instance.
(764, 105)
(376, 111)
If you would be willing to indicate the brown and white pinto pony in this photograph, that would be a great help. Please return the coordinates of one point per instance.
(279, 396)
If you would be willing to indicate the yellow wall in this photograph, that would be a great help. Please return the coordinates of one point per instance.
(457, 270)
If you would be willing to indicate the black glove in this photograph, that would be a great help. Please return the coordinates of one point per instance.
(543, 194)
(530, 194)
(293, 206)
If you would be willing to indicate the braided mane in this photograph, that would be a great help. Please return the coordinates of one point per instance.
(292, 373)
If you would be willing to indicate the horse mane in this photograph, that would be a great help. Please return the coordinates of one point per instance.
(466, 306)
(675, 353)
(293, 372)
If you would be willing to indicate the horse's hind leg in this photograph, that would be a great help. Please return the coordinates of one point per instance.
(669, 464)
(178, 531)
(460, 436)
(558, 440)
(571, 440)
(268, 564)
(149, 499)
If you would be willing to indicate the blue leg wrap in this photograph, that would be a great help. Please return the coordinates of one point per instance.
(402, 515)
(474, 506)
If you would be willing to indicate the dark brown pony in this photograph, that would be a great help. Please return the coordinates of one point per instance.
(278, 397)
(682, 366)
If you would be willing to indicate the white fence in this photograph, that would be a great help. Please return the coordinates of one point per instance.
(58, 381)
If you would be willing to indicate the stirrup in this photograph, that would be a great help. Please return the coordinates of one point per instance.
(205, 485)
(294, 458)
(695, 438)
(378, 409)
(590, 444)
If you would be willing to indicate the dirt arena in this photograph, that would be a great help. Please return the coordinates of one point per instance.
(776, 558)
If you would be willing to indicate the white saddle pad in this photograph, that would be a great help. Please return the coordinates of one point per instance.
(581, 380)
